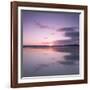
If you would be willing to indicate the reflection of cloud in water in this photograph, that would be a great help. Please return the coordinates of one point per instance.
(69, 49)
(69, 59)
(53, 58)
(61, 60)
(72, 57)
(66, 62)
(40, 66)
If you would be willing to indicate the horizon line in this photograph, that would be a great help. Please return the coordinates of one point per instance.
(52, 45)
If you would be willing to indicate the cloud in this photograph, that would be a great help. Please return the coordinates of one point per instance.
(72, 34)
(74, 39)
(52, 33)
(66, 42)
(45, 37)
(43, 26)
(68, 29)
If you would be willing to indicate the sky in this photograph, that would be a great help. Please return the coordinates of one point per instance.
(49, 28)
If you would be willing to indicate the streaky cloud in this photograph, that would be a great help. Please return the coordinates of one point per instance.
(43, 26)
(68, 29)
(72, 34)
(66, 42)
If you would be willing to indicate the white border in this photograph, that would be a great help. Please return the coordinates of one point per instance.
(51, 78)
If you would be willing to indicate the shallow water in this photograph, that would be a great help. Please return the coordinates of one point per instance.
(48, 61)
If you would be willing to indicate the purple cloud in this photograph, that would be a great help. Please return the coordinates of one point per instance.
(68, 29)
(43, 26)
(72, 32)
(66, 42)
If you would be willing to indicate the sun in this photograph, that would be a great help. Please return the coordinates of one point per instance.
(50, 44)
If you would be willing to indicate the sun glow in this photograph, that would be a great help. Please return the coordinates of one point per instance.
(50, 44)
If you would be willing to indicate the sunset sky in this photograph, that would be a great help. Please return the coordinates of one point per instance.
(49, 28)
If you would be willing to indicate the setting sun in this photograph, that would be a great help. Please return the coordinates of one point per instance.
(50, 44)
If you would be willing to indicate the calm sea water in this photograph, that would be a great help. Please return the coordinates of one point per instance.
(47, 61)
